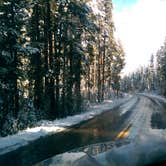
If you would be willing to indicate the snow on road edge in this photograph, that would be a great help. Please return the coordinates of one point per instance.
(163, 99)
(45, 127)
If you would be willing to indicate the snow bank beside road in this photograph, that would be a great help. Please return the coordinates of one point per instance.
(44, 127)
(160, 98)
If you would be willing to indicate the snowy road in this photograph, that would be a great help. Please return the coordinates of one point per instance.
(145, 132)
(135, 127)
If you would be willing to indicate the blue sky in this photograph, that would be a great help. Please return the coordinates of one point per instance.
(121, 4)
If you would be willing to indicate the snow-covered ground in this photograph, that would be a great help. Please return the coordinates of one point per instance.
(155, 96)
(44, 127)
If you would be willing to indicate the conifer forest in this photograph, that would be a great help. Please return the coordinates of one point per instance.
(55, 57)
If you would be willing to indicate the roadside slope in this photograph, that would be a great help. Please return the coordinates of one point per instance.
(45, 128)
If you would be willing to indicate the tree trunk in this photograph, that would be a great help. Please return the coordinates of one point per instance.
(78, 84)
(15, 62)
(99, 72)
(103, 71)
(51, 61)
(38, 85)
(57, 71)
(45, 52)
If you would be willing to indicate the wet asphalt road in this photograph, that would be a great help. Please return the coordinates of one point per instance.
(104, 127)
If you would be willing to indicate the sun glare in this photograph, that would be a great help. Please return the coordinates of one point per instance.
(142, 30)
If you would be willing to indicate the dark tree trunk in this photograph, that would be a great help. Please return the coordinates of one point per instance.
(38, 85)
(13, 42)
(64, 110)
(99, 73)
(45, 52)
(16, 94)
(64, 77)
(103, 70)
(57, 73)
(78, 84)
(51, 64)
(89, 93)
(69, 90)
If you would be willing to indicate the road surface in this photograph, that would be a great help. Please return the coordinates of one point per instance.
(126, 129)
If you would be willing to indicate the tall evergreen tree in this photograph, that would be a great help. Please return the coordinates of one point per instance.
(161, 69)
(36, 69)
(13, 16)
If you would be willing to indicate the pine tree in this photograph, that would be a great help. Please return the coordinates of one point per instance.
(117, 66)
(152, 74)
(36, 69)
(13, 16)
(161, 69)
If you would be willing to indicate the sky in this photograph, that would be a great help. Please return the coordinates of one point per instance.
(141, 27)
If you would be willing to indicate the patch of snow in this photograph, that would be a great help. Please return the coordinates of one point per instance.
(71, 157)
(94, 4)
(65, 159)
